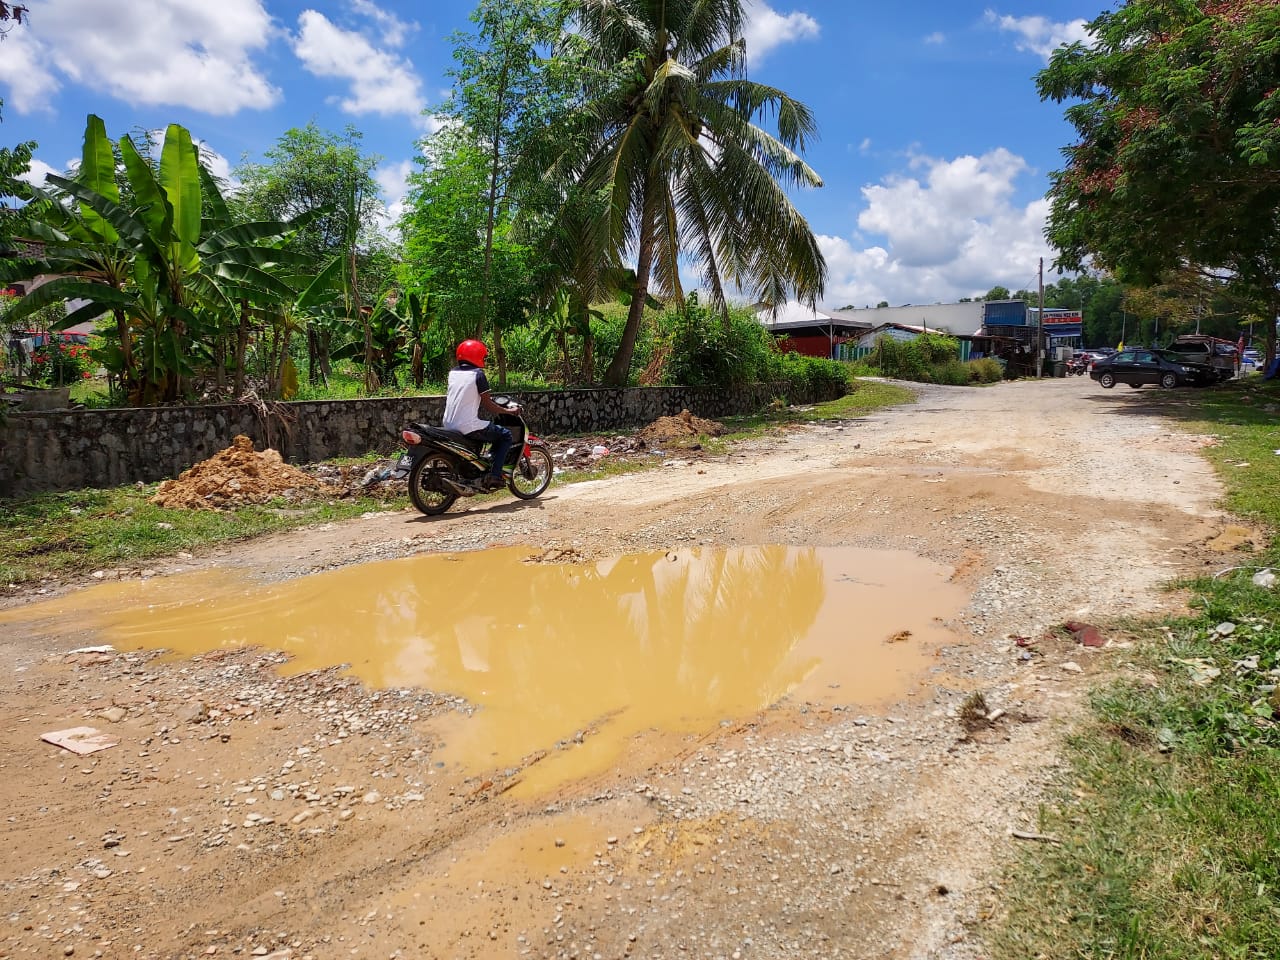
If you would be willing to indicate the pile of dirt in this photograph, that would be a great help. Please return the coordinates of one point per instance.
(681, 427)
(234, 477)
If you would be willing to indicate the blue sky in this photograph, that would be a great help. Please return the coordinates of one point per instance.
(934, 147)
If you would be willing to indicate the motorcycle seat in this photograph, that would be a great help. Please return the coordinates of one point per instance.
(449, 436)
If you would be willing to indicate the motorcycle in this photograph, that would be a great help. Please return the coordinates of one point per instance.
(443, 465)
(1078, 366)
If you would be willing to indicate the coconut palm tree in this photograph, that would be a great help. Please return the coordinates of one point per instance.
(669, 132)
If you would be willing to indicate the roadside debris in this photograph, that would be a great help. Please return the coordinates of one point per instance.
(234, 477)
(81, 740)
(1041, 837)
(1086, 634)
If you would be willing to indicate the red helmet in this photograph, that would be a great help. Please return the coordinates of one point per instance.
(473, 351)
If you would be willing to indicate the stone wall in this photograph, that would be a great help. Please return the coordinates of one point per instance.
(72, 449)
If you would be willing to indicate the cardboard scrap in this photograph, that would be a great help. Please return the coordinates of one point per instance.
(80, 740)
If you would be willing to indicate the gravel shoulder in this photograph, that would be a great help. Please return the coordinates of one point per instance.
(252, 813)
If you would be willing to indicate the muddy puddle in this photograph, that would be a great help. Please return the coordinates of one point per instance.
(574, 661)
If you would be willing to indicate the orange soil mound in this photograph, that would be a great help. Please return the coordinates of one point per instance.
(681, 427)
(232, 478)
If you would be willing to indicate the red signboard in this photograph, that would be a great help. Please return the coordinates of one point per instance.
(1069, 316)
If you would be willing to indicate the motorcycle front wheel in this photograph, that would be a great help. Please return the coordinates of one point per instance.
(427, 487)
(532, 474)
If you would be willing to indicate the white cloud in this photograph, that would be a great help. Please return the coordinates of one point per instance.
(766, 29)
(1040, 35)
(380, 82)
(393, 183)
(950, 229)
(186, 53)
(30, 85)
(394, 30)
(865, 146)
(39, 169)
(935, 38)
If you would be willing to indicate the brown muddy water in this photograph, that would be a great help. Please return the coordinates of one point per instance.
(602, 652)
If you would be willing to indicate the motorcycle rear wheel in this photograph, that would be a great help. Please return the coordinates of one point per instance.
(427, 489)
(532, 474)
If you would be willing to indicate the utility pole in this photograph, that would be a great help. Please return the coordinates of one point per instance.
(1040, 327)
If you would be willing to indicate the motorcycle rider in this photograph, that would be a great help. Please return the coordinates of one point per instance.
(468, 395)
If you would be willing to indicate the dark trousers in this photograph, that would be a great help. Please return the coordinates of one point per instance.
(500, 440)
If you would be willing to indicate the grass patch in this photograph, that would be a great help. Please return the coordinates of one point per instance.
(59, 535)
(1167, 812)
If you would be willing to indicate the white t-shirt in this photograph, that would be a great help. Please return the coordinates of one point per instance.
(462, 404)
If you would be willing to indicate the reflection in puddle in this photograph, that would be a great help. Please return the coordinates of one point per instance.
(554, 653)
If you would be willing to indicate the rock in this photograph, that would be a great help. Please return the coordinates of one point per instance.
(194, 712)
(373, 796)
(1072, 667)
(114, 714)
(1225, 629)
(1265, 578)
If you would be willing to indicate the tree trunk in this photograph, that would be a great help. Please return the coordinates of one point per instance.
(242, 346)
(127, 378)
(500, 351)
(562, 335)
(416, 366)
(313, 351)
(1271, 331)
(620, 365)
(494, 160)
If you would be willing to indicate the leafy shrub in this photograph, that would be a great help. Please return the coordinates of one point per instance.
(931, 358)
(705, 351)
(986, 370)
(953, 373)
(813, 373)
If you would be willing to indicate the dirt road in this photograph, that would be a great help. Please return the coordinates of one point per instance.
(249, 813)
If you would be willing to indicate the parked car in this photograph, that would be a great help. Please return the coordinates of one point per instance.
(1138, 367)
(1202, 350)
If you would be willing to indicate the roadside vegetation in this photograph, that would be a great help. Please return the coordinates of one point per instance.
(928, 358)
(1166, 810)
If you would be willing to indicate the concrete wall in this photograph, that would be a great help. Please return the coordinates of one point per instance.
(72, 449)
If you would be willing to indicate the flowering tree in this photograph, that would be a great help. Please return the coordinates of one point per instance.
(1177, 108)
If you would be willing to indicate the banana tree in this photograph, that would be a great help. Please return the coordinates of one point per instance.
(166, 275)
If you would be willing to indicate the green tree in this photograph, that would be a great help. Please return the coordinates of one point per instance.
(1177, 109)
(998, 293)
(445, 232)
(507, 90)
(328, 179)
(668, 131)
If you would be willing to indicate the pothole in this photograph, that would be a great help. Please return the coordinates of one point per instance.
(567, 663)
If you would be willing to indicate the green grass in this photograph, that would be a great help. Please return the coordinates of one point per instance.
(1168, 811)
(58, 535)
